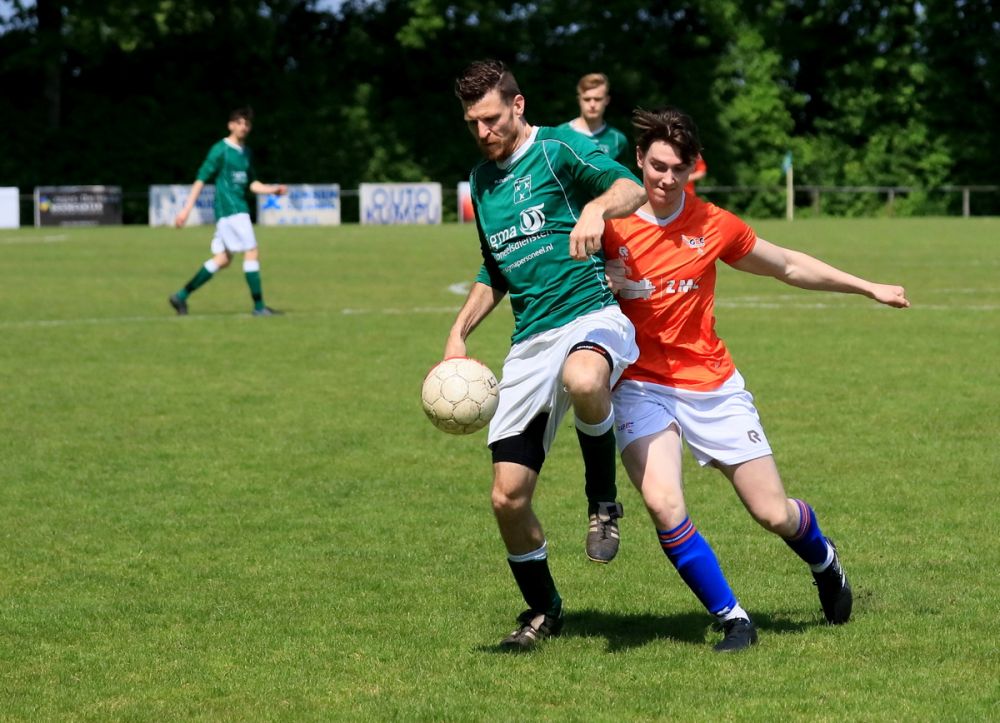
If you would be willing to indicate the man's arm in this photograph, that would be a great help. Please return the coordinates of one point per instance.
(277, 189)
(623, 197)
(798, 269)
(481, 301)
(182, 215)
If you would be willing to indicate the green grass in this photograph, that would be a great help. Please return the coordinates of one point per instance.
(223, 517)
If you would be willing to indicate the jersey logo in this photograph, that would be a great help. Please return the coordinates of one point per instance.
(522, 189)
(532, 219)
(694, 242)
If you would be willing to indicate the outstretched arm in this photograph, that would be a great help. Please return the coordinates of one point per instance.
(798, 269)
(622, 198)
(482, 299)
(182, 215)
(277, 189)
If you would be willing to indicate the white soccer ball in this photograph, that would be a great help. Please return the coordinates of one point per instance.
(460, 395)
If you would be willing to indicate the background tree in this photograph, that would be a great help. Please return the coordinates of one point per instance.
(131, 92)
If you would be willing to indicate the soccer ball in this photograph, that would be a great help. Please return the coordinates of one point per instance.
(460, 395)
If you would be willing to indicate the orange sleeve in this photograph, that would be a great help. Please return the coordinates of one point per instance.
(737, 237)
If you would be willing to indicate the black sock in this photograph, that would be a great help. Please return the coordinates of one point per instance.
(537, 585)
(599, 466)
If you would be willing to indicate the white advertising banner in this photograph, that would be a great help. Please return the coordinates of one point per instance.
(303, 205)
(399, 203)
(165, 202)
(465, 212)
(10, 207)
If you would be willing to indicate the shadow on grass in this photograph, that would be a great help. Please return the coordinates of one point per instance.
(624, 631)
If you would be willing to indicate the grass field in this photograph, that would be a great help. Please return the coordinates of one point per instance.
(227, 517)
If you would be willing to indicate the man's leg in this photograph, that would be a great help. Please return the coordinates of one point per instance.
(205, 274)
(251, 270)
(516, 463)
(759, 486)
(654, 466)
(587, 377)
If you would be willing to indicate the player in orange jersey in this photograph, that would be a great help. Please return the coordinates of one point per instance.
(661, 262)
(699, 171)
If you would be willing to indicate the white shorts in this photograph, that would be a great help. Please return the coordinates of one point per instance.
(719, 426)
(234, 234)
(531, 382)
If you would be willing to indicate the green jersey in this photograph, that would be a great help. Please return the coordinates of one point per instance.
(229, 167)
(525, 208)
(609, 140)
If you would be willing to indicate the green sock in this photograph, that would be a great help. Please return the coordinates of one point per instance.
(253, 281)
(200, 279)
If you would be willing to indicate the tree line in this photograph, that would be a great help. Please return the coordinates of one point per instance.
(132, 92)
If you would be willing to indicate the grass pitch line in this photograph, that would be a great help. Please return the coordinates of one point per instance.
(108, 320)
(56, 238)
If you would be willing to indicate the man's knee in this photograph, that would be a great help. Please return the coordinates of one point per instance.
(587, 371)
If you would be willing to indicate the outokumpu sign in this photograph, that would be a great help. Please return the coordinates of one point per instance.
(78, 205)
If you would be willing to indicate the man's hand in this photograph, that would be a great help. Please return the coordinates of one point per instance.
(894, 296)
(616, 273)
(182, 217)
(585, 238)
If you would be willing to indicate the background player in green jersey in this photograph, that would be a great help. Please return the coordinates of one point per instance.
(229, 166)
(593, 93)
(541, 198)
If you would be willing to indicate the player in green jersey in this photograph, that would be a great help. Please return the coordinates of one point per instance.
(540, 200)
(229, 166)
(593, 93)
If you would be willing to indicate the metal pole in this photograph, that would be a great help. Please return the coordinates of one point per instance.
(965, 202)
(789, 195)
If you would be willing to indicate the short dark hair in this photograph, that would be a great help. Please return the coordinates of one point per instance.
(670, 125)
(245, 112)
(482, 76)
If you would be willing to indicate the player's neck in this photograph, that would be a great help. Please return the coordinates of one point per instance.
(587, 125)
(522, 137)
(235, 141)
(666, 209)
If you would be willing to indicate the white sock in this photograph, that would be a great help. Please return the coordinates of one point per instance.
(541, 553)
(827, 562)
(736, 612)
(596, 430)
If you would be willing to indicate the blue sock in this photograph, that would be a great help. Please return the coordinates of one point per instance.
(694, 559)
(808, 541)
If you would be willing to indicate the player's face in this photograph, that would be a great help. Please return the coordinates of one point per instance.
(239, 129)
(664, 174)
(495, 124)
(594, 102)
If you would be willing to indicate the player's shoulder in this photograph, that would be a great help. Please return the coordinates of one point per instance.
(565, 135)
(716, 221)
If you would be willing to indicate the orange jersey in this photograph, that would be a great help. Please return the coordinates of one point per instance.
(699, 165)
(671, 295)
